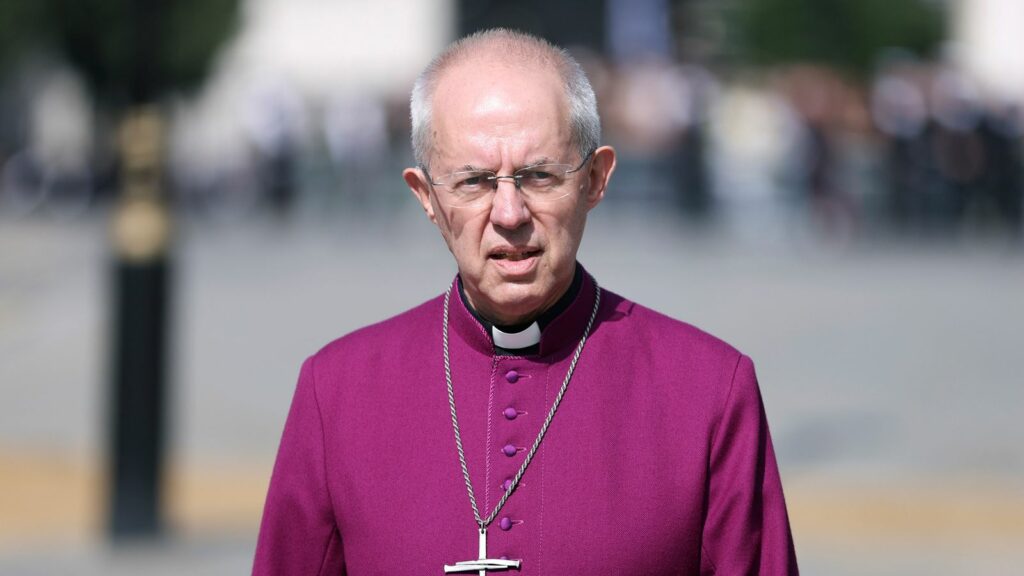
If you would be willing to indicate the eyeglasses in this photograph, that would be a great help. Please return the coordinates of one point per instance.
(537, 183)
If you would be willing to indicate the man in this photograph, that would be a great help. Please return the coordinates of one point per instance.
(526, 420)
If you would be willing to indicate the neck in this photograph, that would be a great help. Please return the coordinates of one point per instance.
(542, 316)
(492, 315)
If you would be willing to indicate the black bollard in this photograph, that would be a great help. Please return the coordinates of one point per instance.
(141, 274)
(139, 395)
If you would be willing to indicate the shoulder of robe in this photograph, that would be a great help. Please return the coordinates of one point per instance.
(397, 333)
(667, 335)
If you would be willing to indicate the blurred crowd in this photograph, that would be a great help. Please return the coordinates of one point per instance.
(950, 154)
(918, 148)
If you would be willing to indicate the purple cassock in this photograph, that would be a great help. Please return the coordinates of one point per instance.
(658, 460)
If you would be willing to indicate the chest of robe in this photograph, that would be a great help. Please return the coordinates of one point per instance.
(617, 486)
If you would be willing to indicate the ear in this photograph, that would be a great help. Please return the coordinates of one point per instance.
(601, 167)
(417, 181)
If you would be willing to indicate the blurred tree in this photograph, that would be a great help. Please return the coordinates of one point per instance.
(19, 25)
(128, 50)
(844, 34)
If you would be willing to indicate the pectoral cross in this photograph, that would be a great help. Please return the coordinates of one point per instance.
(484, 564)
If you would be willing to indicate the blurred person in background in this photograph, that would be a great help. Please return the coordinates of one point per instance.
(273, 116)
(355, 130)
(821, 100)
(900, 113)
(448, 439)
(1003, 133)
(957, 148)
(657, 111)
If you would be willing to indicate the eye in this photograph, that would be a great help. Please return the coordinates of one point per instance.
(539, 177)
(470, 181)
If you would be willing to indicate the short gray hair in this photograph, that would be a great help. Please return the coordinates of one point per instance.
(585, 123)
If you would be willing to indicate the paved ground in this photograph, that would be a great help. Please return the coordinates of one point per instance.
(887, 369)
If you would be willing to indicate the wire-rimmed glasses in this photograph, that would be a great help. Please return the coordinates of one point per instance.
(537, 183)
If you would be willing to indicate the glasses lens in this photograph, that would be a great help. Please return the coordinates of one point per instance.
(468, 187)
(544, 182)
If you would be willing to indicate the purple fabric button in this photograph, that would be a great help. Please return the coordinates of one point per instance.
(510, 413)
(509, 450)
(512, 376)
(506, 484)
(505, 523)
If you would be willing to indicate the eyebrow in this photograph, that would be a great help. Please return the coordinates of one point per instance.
(535, 162)
(539, 161)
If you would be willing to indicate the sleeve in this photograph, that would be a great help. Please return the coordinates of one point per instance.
(746, 530)
(298, 534)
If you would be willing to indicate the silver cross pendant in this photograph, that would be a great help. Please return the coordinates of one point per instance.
(483, 565)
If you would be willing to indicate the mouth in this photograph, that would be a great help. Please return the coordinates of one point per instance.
(512, 254)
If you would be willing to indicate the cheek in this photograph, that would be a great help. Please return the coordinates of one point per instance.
(463, 232)
(567, 230)
(443, 222)
(458, 222)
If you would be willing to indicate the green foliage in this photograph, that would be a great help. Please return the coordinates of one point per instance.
(19, 22)
(194, 32)
(128, 50)
(845, 34)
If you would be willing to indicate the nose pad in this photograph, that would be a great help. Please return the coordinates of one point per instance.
(515, 181)
(516, 190)
(509, 209)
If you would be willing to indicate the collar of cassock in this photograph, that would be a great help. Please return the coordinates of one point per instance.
(557, 326)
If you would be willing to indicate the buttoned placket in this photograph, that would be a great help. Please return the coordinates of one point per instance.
(519, 388)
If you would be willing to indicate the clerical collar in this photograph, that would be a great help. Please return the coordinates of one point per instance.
(524, 339)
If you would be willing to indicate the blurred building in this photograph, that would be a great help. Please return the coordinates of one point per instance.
(987, 44)
(283, 89)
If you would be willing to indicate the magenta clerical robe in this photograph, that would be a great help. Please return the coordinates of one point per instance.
(658, 461)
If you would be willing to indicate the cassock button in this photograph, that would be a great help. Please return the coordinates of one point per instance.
(512, 376)
(506, 484)
(510, 413)
(509, 450)
(505, 523)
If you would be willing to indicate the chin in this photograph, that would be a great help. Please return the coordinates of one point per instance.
(515, 301)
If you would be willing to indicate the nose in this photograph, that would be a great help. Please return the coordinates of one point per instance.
(508, 211)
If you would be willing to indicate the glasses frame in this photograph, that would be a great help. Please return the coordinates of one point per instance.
(516, 178)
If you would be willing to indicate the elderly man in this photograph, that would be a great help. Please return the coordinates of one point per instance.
(526, 420)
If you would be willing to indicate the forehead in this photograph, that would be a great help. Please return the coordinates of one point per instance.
(486, 109)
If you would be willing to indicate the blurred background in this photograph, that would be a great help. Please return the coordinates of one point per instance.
(195, 195)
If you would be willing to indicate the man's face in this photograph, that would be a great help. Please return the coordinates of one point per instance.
(516, 258)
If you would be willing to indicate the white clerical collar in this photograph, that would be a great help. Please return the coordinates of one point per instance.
(516, 340)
